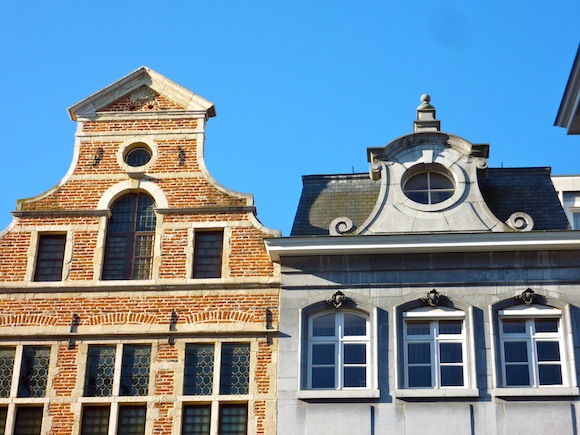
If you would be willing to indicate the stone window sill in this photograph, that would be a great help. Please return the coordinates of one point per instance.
(536, 391)
(436, 392)
(330, 395)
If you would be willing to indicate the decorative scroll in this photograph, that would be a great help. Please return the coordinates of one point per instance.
(340, 225)
(520, 221)
(481, 163)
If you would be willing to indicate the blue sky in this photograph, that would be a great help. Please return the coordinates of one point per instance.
(300, 87)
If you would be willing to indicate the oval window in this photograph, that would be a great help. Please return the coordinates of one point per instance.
(429, 187)
(138, 156)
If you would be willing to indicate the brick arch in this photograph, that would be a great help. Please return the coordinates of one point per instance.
(222, 316)
(28, 320)
(122, 319)
(128, 186)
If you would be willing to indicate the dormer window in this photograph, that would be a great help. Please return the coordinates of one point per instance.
(430, 186)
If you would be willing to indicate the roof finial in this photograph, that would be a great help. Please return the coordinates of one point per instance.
(426, 116)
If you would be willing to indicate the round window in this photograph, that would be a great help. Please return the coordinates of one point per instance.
(429, 187)
(138, 156)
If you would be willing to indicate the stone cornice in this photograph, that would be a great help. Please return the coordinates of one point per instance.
(208, 210)
(59, 213)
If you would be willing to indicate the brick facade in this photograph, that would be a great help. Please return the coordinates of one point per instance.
(165, 311)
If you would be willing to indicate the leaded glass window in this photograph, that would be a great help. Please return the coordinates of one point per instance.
(100, 371)
(131, 420)
(207, 254)
(3, 414)
(196, 420)
(235, 368)
(50, 257)
(28, 420)
(233, 420)
(135, 370)
(138, 156)
(338, 350)
(34, 371)
(199, 364)
(95, 420)
(6, 370)
(130, 238)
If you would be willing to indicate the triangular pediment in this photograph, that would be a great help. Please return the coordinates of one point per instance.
(141, 90)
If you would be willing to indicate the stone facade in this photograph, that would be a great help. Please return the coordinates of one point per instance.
(434, 312)
(51, 326)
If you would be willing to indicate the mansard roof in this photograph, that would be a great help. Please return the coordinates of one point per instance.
(183, 99)
(505, 190)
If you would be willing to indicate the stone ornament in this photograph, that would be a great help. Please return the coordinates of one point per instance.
(520, 221)
(340, 226)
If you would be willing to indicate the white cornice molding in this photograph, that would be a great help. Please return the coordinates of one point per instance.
(422, 243)
(571, 98)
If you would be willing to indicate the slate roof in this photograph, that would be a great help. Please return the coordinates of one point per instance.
(505, 190)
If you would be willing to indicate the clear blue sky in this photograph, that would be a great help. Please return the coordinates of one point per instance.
(300, 87)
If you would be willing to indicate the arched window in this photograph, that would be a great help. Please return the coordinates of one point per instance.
(130, 237)
(338, 350)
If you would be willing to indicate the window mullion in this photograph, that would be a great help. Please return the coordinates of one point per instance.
(217, 369)
(117, 374)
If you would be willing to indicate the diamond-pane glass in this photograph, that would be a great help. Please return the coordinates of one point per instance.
(196, 420)
(135, 370)
(131, 420)
(138, 157)
(199, 360)
(233, 419)
(34, 371)
(207, 254)
(50, 257)
(6, 370)
(235, 369)
(95, 420)
(100, 371)
(28, 420)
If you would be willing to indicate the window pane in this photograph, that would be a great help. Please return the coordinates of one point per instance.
(196, 420)
(323, 354)
(548, 350)
(323, 377)
(550, 374)
(235, 369)
(440, 181)
(417, 182)
(138, 157)
(6, 371)
(34, 371)
(419, 353)
(517, 374)
(131, 420)
(576, 221)
(450, 352)
(354, 325)
(145, 214)
(418, 328)
(324, 326)
(355, 377)
(199, 360)
(438, 196)
(3, 414)
(546, 325)
(115, 260)
(50, 257)
(100, 371)
(452, 376)
(514, 326)
(418, 196)
(28, 420)
(233, 419)
(420, 376)
(207, 254)
(450, 326)
(516, 351)
(355, 353)
(95, 420)
(135, 370)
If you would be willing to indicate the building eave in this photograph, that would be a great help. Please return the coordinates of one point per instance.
(421, 243)
(568, 114)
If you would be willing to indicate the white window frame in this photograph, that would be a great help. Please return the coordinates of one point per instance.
(339, 341)
(563, 336)
(434, 315)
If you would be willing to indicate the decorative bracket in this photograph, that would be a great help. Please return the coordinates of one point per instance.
(340, 226)
(527, 296)
(338, 299)
(433, 298)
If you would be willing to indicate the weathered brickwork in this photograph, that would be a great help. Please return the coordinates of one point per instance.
(80, 309)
